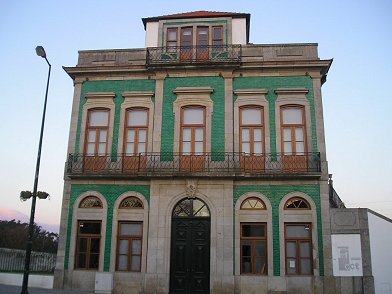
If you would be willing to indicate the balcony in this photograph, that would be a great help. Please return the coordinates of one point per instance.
(217, 165)
(208, 55)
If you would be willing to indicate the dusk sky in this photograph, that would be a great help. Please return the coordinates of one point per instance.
(356, 97)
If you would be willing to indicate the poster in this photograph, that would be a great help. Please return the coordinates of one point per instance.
(346, 255)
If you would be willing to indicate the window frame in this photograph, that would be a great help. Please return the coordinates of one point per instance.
(193, 128)
(168, 40)
(214, 40)
(253, 241)
(136, 128)
(251, 128)
(130, 239)
(97, 130)
(298, 241)
(88, 253)
(292, 128)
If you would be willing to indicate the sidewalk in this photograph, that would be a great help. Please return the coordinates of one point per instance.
(7, 289)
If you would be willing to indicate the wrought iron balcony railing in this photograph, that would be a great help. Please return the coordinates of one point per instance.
(193, 54)
(205, 165)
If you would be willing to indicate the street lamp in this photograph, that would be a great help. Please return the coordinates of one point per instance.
(40, 52)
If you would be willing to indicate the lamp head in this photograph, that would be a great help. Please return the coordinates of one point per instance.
(40, 51)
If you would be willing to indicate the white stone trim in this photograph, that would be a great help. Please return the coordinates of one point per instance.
(253, 216)
(98, 100)
(131, 100)
(192, 96)
(99, 214)
(293, 96)
(251, 97)
(298, 216)
(130, 214)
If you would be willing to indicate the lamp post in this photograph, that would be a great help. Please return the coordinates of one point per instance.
(40, 52)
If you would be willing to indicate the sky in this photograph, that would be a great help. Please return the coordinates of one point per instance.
(357, 99)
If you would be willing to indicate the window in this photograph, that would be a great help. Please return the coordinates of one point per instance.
(252, 203)
(192, 130)
(97, 132)
(91, 202)
(171, 41)
(297, 203)
(131, 202)
(136, 131)
(186, 43)
(298, 244)
(254, 248)
(129, 246)
(88, 245)
(293, 130)
(217, 37)
(251, 130)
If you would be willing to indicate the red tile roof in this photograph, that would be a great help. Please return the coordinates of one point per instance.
(197, 14)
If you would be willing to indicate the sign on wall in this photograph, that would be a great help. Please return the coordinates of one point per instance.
(346, 255)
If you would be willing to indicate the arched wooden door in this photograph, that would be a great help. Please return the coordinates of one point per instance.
(190, 247)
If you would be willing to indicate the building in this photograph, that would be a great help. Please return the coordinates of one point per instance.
(197, 165)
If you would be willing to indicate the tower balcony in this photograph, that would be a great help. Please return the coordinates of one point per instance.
(198, 55)
(215, 165)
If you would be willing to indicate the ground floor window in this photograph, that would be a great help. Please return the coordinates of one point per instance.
(254, 248)
(129, 246)
(298, 243)
(88, 245)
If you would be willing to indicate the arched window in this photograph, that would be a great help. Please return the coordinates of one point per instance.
(91, 202)
(252, 203)
(131, 202)
(296, 203)
(191, 208)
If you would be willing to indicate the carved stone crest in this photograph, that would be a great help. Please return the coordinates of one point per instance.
(191, 188)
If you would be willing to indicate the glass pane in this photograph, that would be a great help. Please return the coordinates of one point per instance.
(141, 148)
(258, 148)
(199, 147)
(91, 136)
(103, 135)
(194, 116)
(137, 247)
(172, 35)
(94, 260)
(137, 118)
(298, 231)
(186, 148)
(135, 264)
(130, 149)
(306, 267)
(292, 116)
(186, 134)
(82, 245)
(261, 248)
(246, 265)
(142, 136)
(122, 262)
(291, 249)
(200, 209)
(246, 204)
(257, 135)
(260, 266)
(246, 147)
(299, 134)
(253, 230)
(82, 261)
(217, 32)
(246, 248)
(94, 245)
(130, 229)
(287, 148)
(90, 148)
(99, 118)
(199, 134)
(291, 266)
(299, 148)
(101, 148)
(305, 249)
(286, 134)
(131, 136)
(123, 247)
(251, 116)
(90, 228)
(245, 133)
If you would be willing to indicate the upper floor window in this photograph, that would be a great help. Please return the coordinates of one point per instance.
(193, 125)
(293, 130)
(217, 36)
(97, 132)
(251, 130)
(171, 41)
(136, 131)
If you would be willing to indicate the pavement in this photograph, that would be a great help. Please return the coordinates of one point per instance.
(7, 289)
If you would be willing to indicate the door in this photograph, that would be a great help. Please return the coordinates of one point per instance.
(190, 248)
(186, 44)
(202, 43)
